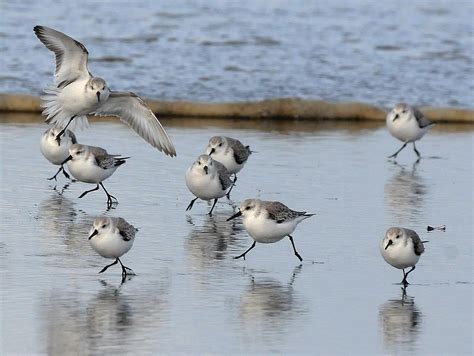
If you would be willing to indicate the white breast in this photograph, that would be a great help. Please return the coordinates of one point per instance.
(88, 172)
(204, 186)
(110, 245)
(265, 230)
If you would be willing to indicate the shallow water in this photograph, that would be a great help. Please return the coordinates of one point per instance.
(379, 52)
(190, 296)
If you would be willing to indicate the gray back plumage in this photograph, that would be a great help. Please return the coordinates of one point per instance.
(224, 176)
(421, 119)
(241, 152)
(280, 212)
(417, 244)
(126, 230)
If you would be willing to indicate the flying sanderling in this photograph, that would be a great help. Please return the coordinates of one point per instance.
(54, 151)
(91, 164)
(230, 152)
(112, 238)
(207, 179)
(76, 93)
(402, 248)
(407, 124)
(269, 221)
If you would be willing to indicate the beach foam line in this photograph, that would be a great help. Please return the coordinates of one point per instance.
(286, 108)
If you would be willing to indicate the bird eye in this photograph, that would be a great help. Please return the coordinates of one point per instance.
(247, 208)
(103, 226)
(220, 144)
(199, 162)
(397, 236)
(404, 111)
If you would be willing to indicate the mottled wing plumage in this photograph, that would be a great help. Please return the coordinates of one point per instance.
(417, 244)
(241, 152)
(72, 136)
(421, 119)
(134, 112)
(98, 151)
(280, 212)
(126, 230)
(224, 176)
(71, 55)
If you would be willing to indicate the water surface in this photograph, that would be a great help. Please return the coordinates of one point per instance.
(190, 295)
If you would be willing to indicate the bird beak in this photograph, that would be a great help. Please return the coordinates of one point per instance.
(67, 159)
(389, 243)
(206, 169)
(98, 96)
(93, 234)
(396, 117)
(212, 151)
(237, 214)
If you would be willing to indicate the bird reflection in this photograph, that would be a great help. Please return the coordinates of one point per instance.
(268, 307)
(210, 240)
(404, 193)
(400, 322)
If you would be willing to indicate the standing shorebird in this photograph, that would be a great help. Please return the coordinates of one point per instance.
(54, 151)
(76, 93)
(112, 238)
(207, 179)
(91, 164)
(230, 152)
(402, 248)
(408, 125)
(269, 222)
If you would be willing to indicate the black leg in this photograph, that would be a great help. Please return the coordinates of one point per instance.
(59, 170)
(405, 275)
(110, 197)
(125, 268)
(416, 151)
(105, 268)
(88, 191)
(243, 255)
(231, 187)
(396, 153)
(213, 205)
(190, 206)
(66, 174)
(58, 136)
(294, 248)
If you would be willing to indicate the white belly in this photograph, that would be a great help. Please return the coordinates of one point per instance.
(53, 152)
(111, 245)
(406, 131)
(205, 187)
(399, 256)
(74, 101)
(264, 230)
(87, 172)
(228, 161)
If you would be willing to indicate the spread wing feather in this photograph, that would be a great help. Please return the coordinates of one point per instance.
(134, 112)
(71, 55)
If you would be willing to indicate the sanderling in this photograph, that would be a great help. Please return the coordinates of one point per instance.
(54, 151)
(407, 124)
(76, 93)
(207, 179)
(269, 221)
(230, 152)
(112, 238)
(91, 164)
(402, 248)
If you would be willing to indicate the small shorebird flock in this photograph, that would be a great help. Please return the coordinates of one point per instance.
(76, 93)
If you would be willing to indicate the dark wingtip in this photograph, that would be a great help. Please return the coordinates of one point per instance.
(429, 228)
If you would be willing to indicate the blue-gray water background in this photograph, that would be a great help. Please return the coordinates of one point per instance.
(379, 52)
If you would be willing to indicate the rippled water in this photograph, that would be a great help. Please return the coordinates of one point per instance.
(379, 52)
(190, 296)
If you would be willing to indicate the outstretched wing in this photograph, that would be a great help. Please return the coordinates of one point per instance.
(421, 119)
(71, 55)
(134, 112)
